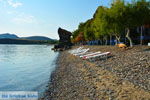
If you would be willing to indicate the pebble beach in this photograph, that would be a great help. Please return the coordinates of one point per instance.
(125, 75)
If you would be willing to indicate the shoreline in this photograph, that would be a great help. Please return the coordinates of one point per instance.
(52, 76)
(77, 79)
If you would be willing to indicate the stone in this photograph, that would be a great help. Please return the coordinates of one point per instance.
(64, 41)
(64, 36)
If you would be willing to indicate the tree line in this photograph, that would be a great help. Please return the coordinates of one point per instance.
(115, 21)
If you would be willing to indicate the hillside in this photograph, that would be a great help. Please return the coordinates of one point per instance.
(8, 35)
(37, 38)
(13, 36)
(8, 38)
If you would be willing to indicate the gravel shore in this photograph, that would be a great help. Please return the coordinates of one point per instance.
(123, 76)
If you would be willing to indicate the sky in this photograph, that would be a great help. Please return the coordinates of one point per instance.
(44, 17)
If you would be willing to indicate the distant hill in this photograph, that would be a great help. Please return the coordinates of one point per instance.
(37, 38)
(8, 36)
(13, 36)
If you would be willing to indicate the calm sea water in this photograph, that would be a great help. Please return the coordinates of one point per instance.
(26, 67)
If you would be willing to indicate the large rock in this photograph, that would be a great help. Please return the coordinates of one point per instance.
(65, 36)
(64, 41)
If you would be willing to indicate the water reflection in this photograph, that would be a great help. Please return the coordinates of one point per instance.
(25, 67)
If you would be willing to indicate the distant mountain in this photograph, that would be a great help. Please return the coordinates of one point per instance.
(13, 36)
(8, 36)
(37, 38)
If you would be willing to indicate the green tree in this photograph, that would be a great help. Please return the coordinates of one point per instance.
(101, 24)
(142, 8)
(79, 30)
(116, 18)
(135, 14)
(114, 21)
(88, 30)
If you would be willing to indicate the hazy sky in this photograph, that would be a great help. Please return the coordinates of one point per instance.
(43, 17)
